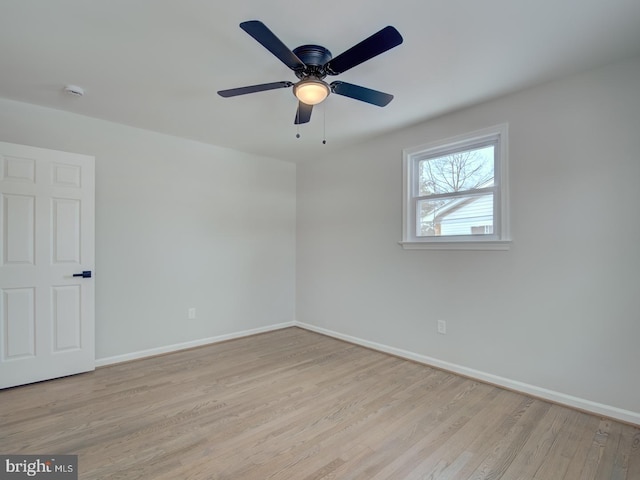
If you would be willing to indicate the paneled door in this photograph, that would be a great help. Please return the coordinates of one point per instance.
(47, 231)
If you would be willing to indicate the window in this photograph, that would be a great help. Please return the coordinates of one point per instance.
(455, 193)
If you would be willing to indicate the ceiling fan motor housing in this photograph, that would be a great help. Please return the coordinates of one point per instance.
(314, 57)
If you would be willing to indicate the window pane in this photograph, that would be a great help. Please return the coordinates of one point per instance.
(465, 215)
(456, 172)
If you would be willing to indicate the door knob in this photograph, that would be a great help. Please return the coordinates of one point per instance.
(84, 274)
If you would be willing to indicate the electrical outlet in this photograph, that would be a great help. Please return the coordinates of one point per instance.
(442, 327)
(191, 313)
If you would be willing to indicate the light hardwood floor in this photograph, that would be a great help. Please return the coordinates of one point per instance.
(295, 405)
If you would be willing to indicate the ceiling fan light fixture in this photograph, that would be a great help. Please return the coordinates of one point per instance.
(311, 91)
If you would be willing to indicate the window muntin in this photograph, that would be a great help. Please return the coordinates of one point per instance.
(454, 191)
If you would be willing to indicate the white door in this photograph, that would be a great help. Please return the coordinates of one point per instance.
(46, 237)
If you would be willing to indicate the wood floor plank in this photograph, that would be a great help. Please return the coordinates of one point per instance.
(565, 444)
(633, 462)
(296, 405)
(544, 438)
(447, 440)
(509, 447)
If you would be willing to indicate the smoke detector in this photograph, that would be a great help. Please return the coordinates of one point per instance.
(74, 90)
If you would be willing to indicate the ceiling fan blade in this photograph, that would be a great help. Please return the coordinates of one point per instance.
(303, 114)
(378, 43)
(233, 92)
(268, 40)
(363, 94)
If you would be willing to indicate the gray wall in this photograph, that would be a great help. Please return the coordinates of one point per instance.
(178, 224)
(560, 310)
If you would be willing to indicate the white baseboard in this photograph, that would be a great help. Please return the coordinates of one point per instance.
(101, 362)
(543, 393)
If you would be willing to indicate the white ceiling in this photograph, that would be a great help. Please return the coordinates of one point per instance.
(157, 64)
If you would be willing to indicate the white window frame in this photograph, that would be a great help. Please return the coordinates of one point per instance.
(500, 239)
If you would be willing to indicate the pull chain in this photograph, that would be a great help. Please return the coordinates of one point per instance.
(324, 124)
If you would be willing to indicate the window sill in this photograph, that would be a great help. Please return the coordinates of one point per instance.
(449, 245)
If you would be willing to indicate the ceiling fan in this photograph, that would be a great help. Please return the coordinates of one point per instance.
(312, 63)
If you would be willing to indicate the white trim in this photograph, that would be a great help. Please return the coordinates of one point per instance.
(539, 392)
(127, 357)
(449, 245)
(501, 240)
